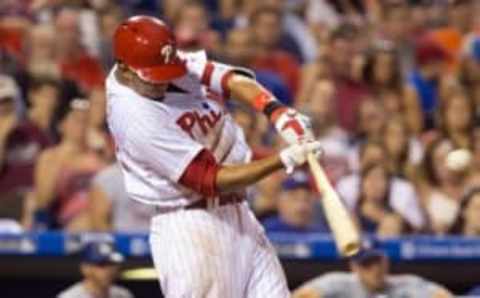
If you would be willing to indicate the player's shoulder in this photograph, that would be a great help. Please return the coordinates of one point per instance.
(120, 292)
(406, 280)
(336, 277)
(74, 291)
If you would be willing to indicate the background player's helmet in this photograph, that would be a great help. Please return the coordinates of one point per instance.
(147, 46)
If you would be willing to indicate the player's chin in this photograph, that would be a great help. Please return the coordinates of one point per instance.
(154, 91)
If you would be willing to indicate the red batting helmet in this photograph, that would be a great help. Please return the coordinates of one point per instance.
(147, 46)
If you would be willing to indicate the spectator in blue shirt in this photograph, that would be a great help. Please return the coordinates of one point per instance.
(296, 208)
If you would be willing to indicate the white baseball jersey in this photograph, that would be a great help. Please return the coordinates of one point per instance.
(157, 140)
(218, 252)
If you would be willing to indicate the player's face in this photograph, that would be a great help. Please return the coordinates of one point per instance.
(372, 273)
(147, 89)
(101, 275)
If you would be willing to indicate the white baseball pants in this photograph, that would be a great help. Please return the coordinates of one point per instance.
(221, 252)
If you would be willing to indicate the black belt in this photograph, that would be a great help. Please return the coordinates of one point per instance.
(223, 200)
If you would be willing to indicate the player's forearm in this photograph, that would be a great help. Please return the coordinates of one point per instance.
(244, 89)
(230, 178)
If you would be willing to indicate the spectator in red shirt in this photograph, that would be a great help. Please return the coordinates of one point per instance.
(74, 61)
(266, 24)
(20, 144)
(350, 91)
(43, 97)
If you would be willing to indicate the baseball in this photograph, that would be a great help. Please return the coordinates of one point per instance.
(458, 160)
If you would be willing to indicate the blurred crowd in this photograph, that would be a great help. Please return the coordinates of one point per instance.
(392, 87)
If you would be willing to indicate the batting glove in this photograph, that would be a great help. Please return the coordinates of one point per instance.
(294, 127)
(296, 155)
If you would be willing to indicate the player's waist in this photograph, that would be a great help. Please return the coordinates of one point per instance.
(205, 203)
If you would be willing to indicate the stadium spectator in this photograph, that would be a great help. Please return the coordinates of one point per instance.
(335, 141)
(468, 220)
(63, 172)
(450, 35)
(422, 91)
(389, 24)
(297, 38)
(441, 188)
(371, 119)
(74, 61)
(265, 196)
(43, 97)
(40, 48)
(370, 277)
(474, 178)
(368, 153)
(296, 208)
(469, 73)
(99, 267)
(240, 50)
(20, 144)
(404, 151)
(457, 119)
(375, 195)
(109, 20)
(110, 207)
(382, 73)
(192, 30)
(265, 24)
(381, 70)
(350, 91)
(315, 70)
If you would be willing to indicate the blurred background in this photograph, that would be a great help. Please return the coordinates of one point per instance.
(392, 87)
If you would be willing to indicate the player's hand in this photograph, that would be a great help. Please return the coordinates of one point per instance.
(296, 155)
(294, 127)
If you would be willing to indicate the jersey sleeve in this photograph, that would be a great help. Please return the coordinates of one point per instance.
(163, 150)
(213, 75)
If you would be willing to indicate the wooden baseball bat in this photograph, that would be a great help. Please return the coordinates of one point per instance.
(345, 233)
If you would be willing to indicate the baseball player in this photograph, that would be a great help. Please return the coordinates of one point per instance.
(99, 267)
(181, 152)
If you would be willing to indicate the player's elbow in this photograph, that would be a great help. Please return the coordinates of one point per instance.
(242, 87)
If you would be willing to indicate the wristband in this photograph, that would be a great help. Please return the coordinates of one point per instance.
(264, 102)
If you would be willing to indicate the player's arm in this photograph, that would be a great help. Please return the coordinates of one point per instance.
(291, 125)
(205, 176)
(239, 84)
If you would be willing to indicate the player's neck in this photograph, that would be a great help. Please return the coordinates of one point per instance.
(95, 290)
